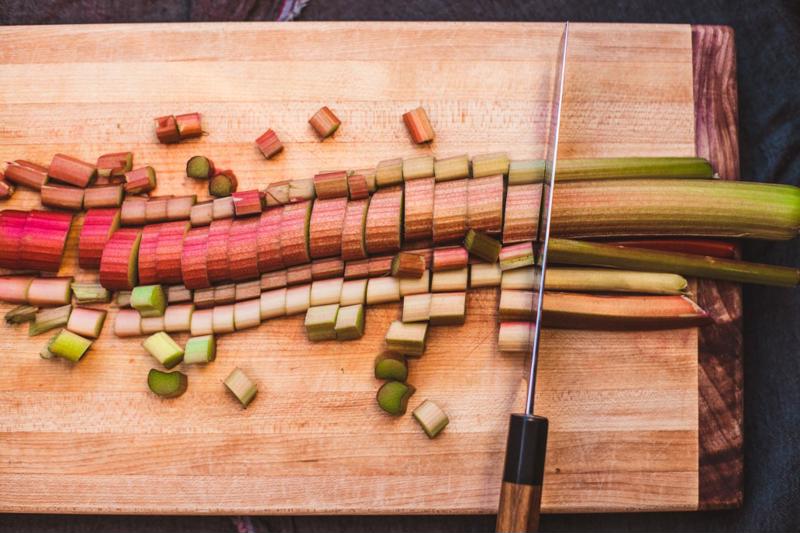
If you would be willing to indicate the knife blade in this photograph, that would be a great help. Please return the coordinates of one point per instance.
(523, 472)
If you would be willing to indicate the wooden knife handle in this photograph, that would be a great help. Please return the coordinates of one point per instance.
(521, 492)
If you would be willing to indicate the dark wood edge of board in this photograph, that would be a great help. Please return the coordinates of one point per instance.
(720, 354)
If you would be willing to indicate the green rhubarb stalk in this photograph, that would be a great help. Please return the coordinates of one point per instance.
(391, 366)
(241, 386)
(21, 314)
(393, 397)
(605, 280)
(350, 322)
(149, 300)
(201, 349)
(573, 252)
(47, 319)
(633, 167)
(69, 345)
(431, 417)
(482, 246)
(321, 322)
(167, 384)
(164, 349)
(90, 293)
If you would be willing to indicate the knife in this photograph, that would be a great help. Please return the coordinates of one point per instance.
(521, 491)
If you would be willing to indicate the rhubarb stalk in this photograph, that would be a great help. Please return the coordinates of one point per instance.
(419, 126)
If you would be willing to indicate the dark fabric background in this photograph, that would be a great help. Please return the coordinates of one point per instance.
(768, 47)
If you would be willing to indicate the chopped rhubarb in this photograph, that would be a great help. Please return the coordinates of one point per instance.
(324, 122)
(71, 170)
(140, 180)
(325, 227)
(119, 261)
(26, 174)
(98, 226)
(384, 218)
(247, 203)
(268, 240)
(419, 126)
(269, 144)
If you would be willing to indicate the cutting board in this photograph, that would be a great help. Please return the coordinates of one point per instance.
(640, 421)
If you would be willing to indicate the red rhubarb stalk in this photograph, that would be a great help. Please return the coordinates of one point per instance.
(26, 174)
(43, 240)
(449, 211)
(147, 259)
(384, 218)
(418, 207)
(169, 250)
(294, 233)
(217, 255)
(167, 130)
(12, 228)
(419, 126)
(62, 197)
(325, 227)
(71, 170)
(708, 247)
(246, 203)
(98, 227)
(324, 122)
(269, 144)
(116, 164)
(194, 270)
(353, 246)
(450, 258)
(242, 249)
(269, 240)
(118, 263)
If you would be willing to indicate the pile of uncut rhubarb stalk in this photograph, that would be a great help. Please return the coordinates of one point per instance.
(420, 230)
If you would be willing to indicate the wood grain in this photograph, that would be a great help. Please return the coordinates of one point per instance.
(91, 438)
(721, 355)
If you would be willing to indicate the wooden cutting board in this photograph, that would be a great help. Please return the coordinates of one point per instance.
(640, 420)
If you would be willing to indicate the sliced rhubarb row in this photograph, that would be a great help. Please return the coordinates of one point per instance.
(294, 233)
(418, 221)
(269, 240)
(12, 228)
(384, 221)
(43, 240)
(485, 204)
(118, 264)
(522, 212)
(194, 269)
(449, 211)
(98, 226)
(332, 267)
(217, 256)
(242, 249)
(325, 227)
(147, 260)
(169, 251)
(355, 219)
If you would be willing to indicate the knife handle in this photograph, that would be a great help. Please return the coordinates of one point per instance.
(521, 492)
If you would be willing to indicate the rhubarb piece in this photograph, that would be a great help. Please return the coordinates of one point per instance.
(384, 218)
(353, 292)
(247, 314)
(389, 173)
(241, 386)
(269, 240)
(277, 193)
(418, 167)
(605, 280)
(408, 265)
(325, 227)
(90, 293)
(21, 314)
(418, 206)
(333, 267)
(202, 322)
(299, 274)
(515, 337)
(178, 318)
(450, 280)
(98, 226)
(452, 168)
(273, 280)
(516, 256)
(115, 164)
(519, 279)
(321, 322)
(118, 264)
(165, 350)
(481, 245)
(273, 304)
(391, 366)
(71, 170)
(416, 286)
(298, 299)
(223, 319)
(200, 350)
(301, 189)
(431, 417)
(167, 130)
(419, 126)
(485, 204)
(356, 269)
(180, 207)
(155, 210)
(350, 323)
(178, 294)
(62, 197)
(50, 291)
(14, 289)
(224, 294)
(383, 290)
(134, 211)
(450, 211)
(633, 168)
(194, 270)
(248, 290)
(140, 180)
(324, 122)
(222, 208)
(407, 339)
(294, 233)
(526, 171)
(149, 300)
(489, 164)
(153, 324)
(369, 176)
(148, 254)
(128, 323)
(243, 250)
(223, 184)
(517, 305)
(69, 345)
(269, 144)
(167, 384)
(43, 239)
(380, 266)
(326, 292)
(47, 319)
(246, 203)
(709, 247)
(189, 125)
(6, 189)
(448, 308)
(417, 307)
(108, 196)
(124, 299)
(200, 167)
(12, 229)
(353, 226)
(450, 258)
(393, 397)
(521, 221)
(202, 214)
(169, 250)
(217, 251)
(358, 187)
(26, 174)
(86, 322)
(570, 252)
(331, 185)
